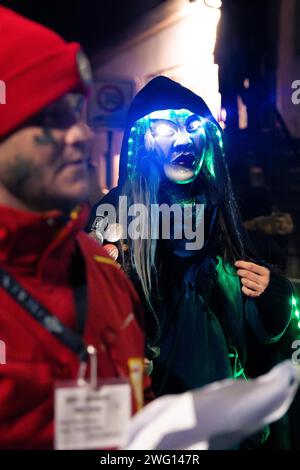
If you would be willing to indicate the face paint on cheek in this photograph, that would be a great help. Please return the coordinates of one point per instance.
(25, 180)
(18, 177)
(46, 138)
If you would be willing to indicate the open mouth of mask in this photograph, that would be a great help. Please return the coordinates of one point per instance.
(184, 159)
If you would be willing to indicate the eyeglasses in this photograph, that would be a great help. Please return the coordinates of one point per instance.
(61, 114)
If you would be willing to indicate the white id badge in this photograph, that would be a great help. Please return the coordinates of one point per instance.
(92, 415)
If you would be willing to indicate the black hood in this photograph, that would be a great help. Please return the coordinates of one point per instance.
(160, 93)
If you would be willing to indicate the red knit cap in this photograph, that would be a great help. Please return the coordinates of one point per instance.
(37, 67)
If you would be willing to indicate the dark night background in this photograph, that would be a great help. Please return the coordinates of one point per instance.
(92, 23)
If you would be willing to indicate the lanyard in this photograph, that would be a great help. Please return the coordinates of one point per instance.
(41, 314)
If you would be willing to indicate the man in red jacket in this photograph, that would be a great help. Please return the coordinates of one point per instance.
(59, 291)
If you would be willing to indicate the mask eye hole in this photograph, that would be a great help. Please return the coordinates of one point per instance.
(164, 130)
(194, 124)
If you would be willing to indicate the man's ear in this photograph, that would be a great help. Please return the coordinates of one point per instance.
(149, 141)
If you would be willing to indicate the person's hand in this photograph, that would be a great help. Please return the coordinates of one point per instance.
(254, 278)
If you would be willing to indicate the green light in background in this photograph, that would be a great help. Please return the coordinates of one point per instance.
(295, 310)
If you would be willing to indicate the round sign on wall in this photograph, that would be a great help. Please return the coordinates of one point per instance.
(110, 98)
(109, 102)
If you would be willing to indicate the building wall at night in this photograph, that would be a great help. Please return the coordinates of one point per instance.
(177, 40)
(288, 65)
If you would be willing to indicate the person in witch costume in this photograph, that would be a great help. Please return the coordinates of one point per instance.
(202, 303)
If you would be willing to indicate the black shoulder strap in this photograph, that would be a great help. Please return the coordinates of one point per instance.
(78, 278)
(41, 314)
(80, 297)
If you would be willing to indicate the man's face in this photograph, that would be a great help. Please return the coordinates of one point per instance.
(178, 140)
(44, 165)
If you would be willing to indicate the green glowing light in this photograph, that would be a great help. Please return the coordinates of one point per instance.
(239, 373)
(211, 169)
(209, 160)
(295, 310)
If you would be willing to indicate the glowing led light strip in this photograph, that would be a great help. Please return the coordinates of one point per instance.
(295, 311)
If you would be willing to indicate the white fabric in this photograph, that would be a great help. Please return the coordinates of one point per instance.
(217, 416)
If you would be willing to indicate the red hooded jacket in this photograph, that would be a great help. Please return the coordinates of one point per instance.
(39, 250)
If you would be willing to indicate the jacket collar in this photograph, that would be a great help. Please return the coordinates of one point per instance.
(39, 244)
